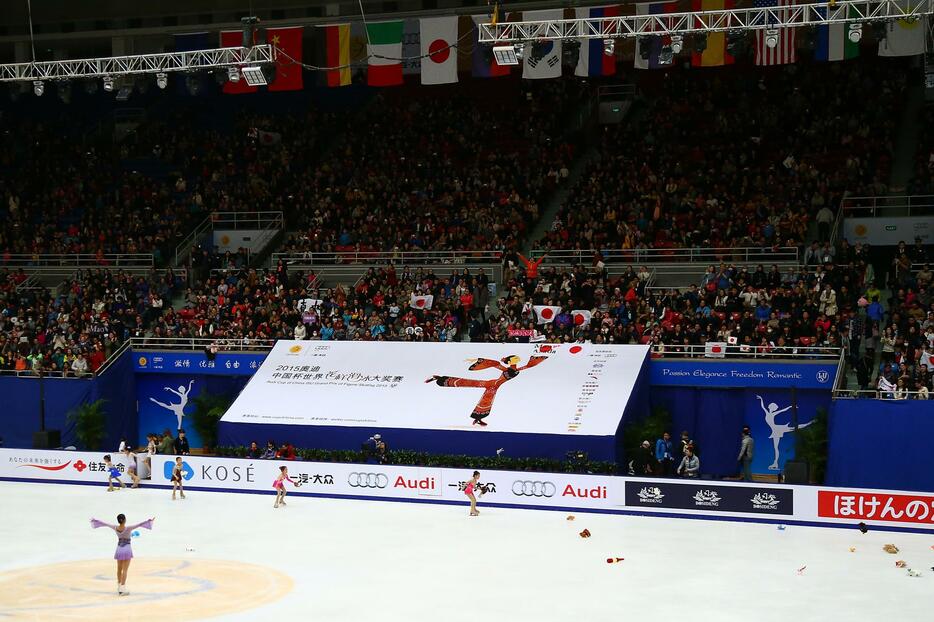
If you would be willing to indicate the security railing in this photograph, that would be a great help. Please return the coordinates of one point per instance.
(876, 394)
(201, 343)
(33, 373)
(247, 220)
(747, 352)
(872, 207)
(714, 255)
(183, 250)
(270, 222)
(378, 258)
(36, 262)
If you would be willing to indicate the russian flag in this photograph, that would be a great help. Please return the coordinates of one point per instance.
(592, 61)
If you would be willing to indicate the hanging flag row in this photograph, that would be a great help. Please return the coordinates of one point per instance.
(439, 48)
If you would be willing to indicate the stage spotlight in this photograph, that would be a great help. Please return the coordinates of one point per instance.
(677, 44)
(108, 84)
(771, 38)
(856, 33)
(38, 87)
(161, 80)
(233, 74)
(609, 47)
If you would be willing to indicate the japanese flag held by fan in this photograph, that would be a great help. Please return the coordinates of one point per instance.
(421, 302)
(715, 349)
(581, 317)
(546, 314)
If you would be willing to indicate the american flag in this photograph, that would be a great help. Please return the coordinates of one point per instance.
(784, 52)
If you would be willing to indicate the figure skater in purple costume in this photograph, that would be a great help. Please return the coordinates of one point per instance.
(124, 551)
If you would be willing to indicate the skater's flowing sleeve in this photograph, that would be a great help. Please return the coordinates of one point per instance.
(486, 364)
(146, 524)
(99, 523)
(533, 361)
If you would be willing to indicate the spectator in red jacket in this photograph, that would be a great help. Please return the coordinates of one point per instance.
(531, 266)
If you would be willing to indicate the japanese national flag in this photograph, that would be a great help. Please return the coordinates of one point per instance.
(421, 302)
(715, 349)
(546, 314)
(581, 317)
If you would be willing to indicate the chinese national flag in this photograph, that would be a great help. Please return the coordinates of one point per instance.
(234, 39)
(288, 41)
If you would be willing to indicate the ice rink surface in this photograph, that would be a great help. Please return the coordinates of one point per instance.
(233, 557)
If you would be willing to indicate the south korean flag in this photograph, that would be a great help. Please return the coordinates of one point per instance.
(546, 63)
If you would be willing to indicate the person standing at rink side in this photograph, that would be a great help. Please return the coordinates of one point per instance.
(746, 450)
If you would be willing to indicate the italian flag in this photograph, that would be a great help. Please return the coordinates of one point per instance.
(384, 49)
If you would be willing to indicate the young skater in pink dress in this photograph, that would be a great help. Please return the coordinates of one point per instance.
(473, 484)
(124, 551)
(279, 485)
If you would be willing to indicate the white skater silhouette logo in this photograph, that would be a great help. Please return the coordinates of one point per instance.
(176, 409)
(778, 430)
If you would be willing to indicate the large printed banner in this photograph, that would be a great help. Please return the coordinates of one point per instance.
(224, 363)
(739, 374)
(777, 502)
(524, 388)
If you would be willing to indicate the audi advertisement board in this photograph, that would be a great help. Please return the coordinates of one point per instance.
(557, 491)
(704, 496)
(371, 480)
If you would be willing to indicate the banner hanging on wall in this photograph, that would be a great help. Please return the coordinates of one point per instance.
(738, 374)
(182, 362)
(579, 389)
(770, 420)
(166, 401)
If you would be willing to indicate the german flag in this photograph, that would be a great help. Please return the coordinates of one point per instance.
(334, 44)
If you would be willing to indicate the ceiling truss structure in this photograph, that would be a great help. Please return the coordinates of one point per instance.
(135, 65)
(628, 26)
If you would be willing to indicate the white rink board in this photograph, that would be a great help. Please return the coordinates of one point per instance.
(577, 389)
(558, 491)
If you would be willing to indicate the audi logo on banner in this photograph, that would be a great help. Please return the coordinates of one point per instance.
(368, 480)
(529, 488)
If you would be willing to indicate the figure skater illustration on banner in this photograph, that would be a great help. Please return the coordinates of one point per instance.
(124, 551)
(509, 366)
(778, 430)
(176, 409)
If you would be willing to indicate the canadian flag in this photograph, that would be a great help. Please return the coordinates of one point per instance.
(715, 349)
(581, 317)
(546, 314)
(421, 302)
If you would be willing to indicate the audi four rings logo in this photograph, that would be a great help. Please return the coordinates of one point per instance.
(368, 480)
(527, 488)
